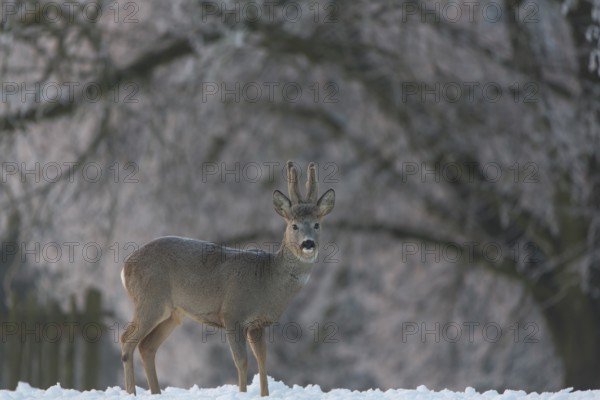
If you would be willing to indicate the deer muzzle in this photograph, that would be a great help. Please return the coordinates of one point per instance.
(308, 246)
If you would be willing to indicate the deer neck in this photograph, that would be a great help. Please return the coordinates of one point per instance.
(295, 271)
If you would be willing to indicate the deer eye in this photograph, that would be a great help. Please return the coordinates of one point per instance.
(316, 226)
(295, 227)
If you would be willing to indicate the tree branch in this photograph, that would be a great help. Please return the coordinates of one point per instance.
(166, 50)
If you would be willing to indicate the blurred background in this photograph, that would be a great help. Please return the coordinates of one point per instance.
(462, 140)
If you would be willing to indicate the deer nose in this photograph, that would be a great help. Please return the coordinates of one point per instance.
(308, 244)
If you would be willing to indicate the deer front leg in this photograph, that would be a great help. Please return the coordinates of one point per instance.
(237, 344)
(148, 347)
(258, 343)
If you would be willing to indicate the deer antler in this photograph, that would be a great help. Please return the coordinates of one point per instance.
(293, 190)
(311, 184)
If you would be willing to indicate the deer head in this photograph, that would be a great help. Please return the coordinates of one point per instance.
(303, 215)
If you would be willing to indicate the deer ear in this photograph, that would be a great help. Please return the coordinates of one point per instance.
(281, 204)
(326, 203)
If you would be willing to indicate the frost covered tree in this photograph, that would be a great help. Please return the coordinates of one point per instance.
(470, 133)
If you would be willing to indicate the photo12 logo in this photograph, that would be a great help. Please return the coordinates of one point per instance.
(469, 172)
(468, 331)
(68, 171)
(269, 11)
(469, 92)
(270, 92)
(65, 252)
(68, 92)
(524, 254)
(83, 254)
(253, 171)
(469, 12)
(54, 12)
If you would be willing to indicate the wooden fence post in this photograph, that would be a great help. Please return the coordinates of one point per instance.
(91, 330)
(71, 346)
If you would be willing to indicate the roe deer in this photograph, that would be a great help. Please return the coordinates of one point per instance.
(241, 291)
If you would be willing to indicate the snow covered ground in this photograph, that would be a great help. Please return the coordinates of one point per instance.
(280, 391)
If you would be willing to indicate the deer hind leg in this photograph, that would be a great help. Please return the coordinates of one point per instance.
(237, 345)
(136, 331)
(258, 343)
(148, 347)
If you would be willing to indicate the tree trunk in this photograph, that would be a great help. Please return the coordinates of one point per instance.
(574, 322)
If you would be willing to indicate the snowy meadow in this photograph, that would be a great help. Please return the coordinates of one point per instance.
(280, 390)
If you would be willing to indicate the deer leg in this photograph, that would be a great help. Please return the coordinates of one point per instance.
(237, 344)
(258, 343)
(135, 332)
(148, 347)
(127, 350)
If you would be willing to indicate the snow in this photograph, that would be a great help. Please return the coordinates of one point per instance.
(278, 390)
